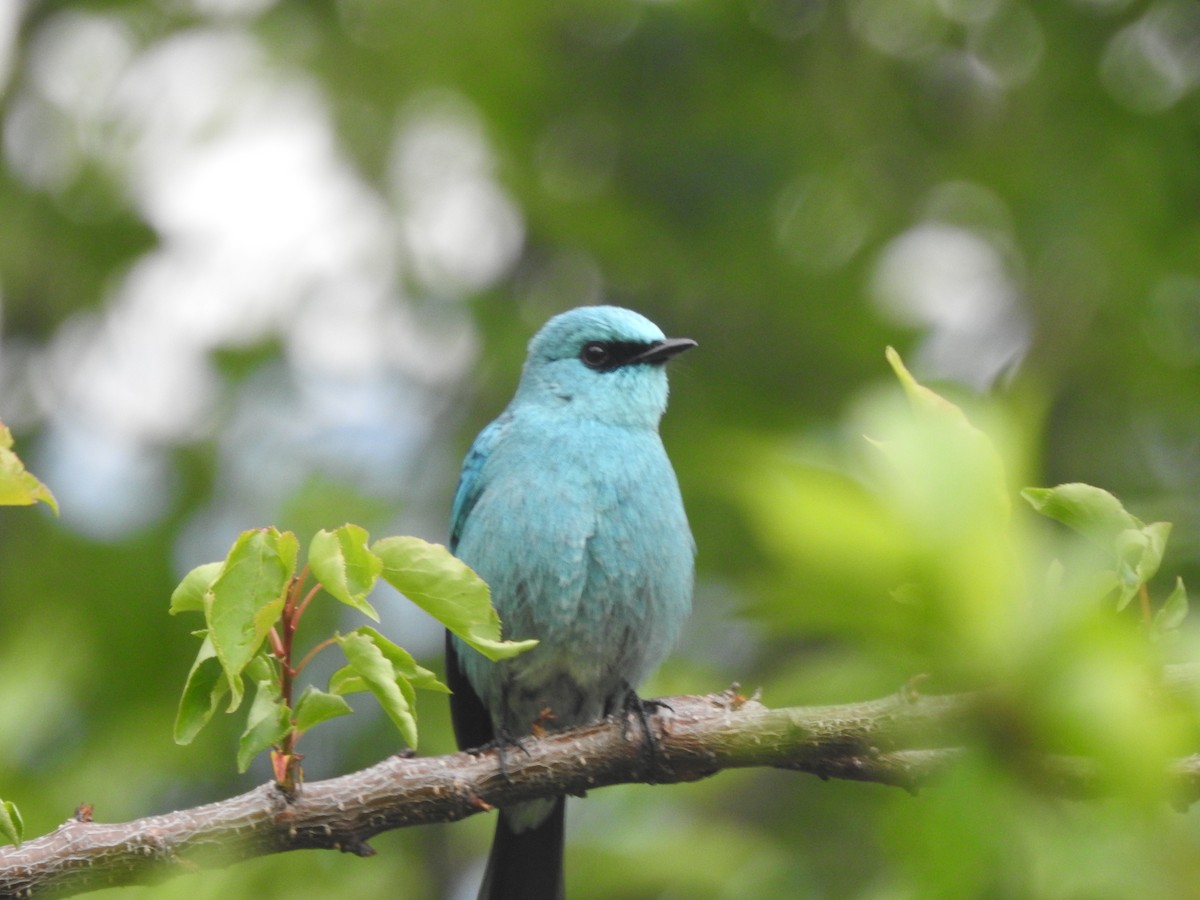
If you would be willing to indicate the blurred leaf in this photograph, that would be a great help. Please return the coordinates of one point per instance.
(1096, 695)
(923, 398)
(446, 588)
(828, 533)
(17, 486)
(12, 827)
(316, 706)
(369, 663)
(1135, 548)
(246, 599)
(1139, 553)
(206, 687)
(943, 483)
(1173, 611)
(1091, 511)
(344, 565)
(189, 595)
(949, 436)
(1150, 543)
(267, 723)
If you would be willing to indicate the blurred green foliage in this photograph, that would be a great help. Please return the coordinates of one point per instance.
(793, 183)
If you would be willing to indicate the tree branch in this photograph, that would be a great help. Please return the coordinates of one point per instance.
(902, 740)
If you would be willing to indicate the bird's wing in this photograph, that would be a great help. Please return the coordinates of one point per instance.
(469, 485)
(472, 724)
(469, 717)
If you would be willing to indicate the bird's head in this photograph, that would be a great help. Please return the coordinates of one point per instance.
(602, 363)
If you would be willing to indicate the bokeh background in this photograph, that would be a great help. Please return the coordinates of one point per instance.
(275, 262)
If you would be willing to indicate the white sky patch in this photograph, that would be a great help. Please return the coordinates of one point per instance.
(74, 61)
(461, 229)
(956, 285)
(265, 233)
(1152, 64)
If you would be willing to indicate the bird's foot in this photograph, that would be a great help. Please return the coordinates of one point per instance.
(502, 743)
(644, 711)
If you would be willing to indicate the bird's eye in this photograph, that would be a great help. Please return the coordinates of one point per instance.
(594, 355)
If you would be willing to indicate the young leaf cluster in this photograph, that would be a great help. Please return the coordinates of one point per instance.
(1133, 548)
(253, 602)
(913, 559)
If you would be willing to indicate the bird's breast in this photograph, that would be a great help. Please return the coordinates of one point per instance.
(586, 547)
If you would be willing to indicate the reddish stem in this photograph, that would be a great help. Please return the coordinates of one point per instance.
(313, 652)
(289, 605)
(284, 760)
(316, 589)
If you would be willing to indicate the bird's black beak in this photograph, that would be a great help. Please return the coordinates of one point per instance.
(661, 351)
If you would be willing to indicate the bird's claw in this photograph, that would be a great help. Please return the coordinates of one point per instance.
(502, 743)
(634, 707)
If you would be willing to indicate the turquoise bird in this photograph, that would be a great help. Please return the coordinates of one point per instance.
(569, 509)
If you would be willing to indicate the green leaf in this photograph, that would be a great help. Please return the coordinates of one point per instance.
(1174, 611)
(921, 397)
(345, 566)
(403, 662)
(1153, 547)
(268, 724)
(410, 697)
(17, 486)
(246, 599)
(189, 596)
(944, 447)
(12, 826)
(205, 689)
(263, 667)
(316, 706)
(446, 588)
(1137, 549)
(1139, 553)
(1091, 511)
(376, 670)
(346, 681)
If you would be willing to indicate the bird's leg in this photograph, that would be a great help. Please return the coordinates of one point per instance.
(634, 706)
(505, 737)
(504, 741)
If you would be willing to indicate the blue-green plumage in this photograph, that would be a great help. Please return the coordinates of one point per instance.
(569, 508)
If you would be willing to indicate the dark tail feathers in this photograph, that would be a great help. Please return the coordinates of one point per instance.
(528, 865)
